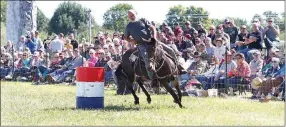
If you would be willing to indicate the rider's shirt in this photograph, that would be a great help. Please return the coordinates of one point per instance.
(139, 30)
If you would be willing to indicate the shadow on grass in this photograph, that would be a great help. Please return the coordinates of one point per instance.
(107, 108)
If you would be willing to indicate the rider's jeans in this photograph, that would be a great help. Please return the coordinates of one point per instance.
(169, 50)
(143, 52)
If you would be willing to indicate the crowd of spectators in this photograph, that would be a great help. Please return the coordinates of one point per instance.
(221, 56)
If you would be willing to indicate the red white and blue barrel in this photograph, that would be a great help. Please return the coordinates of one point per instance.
(89, 87)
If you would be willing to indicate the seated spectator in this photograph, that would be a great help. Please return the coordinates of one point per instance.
(256, 64)
(241, 74)
(201, 30)
(225, 69)
(178, 30)
(242, 36)
(197, 67)
(69, 69)
(220, 49)
(6, 65)
(253, 41)
(273, 71)
(93, 59)
(204, 55)
(101, 59)
(209, 46)
(212, 34)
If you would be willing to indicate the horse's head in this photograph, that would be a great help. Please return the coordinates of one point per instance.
(152, 49)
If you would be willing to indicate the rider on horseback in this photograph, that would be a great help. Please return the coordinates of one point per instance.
(140, 30)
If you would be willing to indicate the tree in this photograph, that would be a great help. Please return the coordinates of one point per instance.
(67, 17)
(42, 21)
(3, 11)
(116, 17)
(193, 14)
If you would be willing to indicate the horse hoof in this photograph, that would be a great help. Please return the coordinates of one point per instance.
(181, 106)
(149, 100)
(136, 102)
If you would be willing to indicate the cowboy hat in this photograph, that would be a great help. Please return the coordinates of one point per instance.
(256, 83)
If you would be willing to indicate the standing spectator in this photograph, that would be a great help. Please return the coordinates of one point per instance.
(38, 40)
(180, 43)
(31, 44)
(56, 45)
(233, 33)
(62, 38)
(21, 44)
(8, 46)
(74, 42)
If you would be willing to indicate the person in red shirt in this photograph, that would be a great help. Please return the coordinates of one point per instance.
(178, 30)
(241, 74)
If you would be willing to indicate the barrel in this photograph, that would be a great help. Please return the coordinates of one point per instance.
(90, 88)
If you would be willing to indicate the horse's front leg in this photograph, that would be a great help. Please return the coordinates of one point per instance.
(130, 87)
(172, 92)
(140, 82)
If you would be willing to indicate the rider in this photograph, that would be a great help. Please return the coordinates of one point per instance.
(140, 30)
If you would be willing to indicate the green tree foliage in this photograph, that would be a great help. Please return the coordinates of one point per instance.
(3, 10)
(116, 17)
(42, 21)
(181, 14)
(69, 16)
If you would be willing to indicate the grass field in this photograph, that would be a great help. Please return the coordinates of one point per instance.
(25, 104)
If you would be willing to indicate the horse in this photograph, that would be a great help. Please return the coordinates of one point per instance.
(132, 67)
(166, 69)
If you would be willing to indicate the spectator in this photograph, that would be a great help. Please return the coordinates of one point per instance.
(242, 36)
(101, 59)
(220, 49)
(273, 71)
(56, 45)
(189, 29)
(8, 46)
(74, 42)
(271, 32)
(258, 22)
(68, 44)
(195, 36)
(233, 33)
(178, 30)
(256, 64)
(209, 46)
(164, 28)
(21, 44)
(226, 68)
(93, 59)
(39, 42)
(212, 33)
(198, 66)
(241, 74)
(201, 30)
(253, 41)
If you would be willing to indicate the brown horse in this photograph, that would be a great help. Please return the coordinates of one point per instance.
(132, 67)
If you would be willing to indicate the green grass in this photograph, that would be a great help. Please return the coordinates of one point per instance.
(25, 104)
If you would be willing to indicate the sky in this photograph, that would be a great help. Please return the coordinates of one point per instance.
(157, 10)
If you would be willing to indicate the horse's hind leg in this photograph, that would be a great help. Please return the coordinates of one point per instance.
(176, 84)
(139, 81)
(172, 92)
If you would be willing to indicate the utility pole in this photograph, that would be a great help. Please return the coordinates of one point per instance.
(89, 15)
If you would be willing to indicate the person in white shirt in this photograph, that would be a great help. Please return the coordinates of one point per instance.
(56, 45)
(220, 49)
